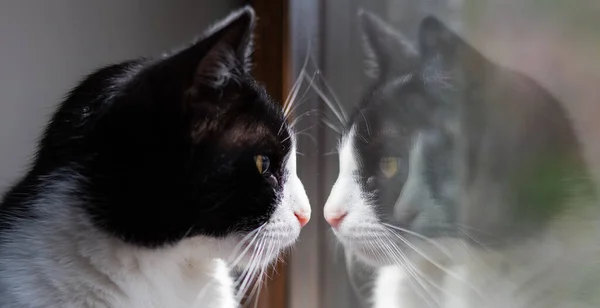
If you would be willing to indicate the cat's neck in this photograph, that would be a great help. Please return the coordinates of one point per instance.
(59, 259)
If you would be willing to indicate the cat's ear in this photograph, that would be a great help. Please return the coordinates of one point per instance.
(445, 52)
(387, 51)
(221, 55)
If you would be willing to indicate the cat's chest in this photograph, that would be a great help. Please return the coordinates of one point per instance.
(210, 286)
(102, 280)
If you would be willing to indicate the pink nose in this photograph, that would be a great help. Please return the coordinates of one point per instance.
(335, 220)
(302, 218)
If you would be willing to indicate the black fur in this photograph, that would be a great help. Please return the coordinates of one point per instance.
(164, 148)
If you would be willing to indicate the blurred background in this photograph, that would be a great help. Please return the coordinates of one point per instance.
(47, 46)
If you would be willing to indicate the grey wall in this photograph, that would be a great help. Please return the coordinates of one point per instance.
(47, 46)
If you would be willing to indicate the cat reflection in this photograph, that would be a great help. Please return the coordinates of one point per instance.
(462, 182)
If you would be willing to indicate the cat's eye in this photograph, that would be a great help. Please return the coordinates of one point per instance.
(262, 163)
(389, 166)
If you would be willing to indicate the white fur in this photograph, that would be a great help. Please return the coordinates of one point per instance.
(63, 260)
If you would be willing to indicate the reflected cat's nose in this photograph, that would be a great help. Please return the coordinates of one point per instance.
(334, 220)
(302, 217)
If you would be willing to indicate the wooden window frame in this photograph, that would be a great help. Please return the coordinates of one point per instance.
(285, 30)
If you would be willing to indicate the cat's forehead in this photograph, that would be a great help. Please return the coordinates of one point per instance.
(397, 106)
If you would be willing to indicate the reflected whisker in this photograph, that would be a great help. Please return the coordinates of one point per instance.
(420, 236)
(329, 103)
(415, 273)
(331, 126)
(304, 114)
(334, 152)
(434, 262)
(309, 136)
(330, 90)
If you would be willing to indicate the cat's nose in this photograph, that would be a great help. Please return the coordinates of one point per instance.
(335, 219)
(302, 217)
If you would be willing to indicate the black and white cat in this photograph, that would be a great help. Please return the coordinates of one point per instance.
(462, 182)
(152, 180)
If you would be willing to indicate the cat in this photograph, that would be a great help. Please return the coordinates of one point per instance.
(153, 180)
(462, 182)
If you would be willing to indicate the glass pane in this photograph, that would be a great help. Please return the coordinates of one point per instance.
(464, 139)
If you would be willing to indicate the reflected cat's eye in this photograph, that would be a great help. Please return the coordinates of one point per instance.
(262, 163)
(389, 166)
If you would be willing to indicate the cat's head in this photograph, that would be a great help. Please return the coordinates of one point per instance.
(415, 161)
(182, 147)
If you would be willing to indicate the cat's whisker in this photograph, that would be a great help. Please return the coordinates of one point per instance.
(472, 238)
(203, 291)
(188, 231)
(331, 122)
(418, 275)
(400, 260)
(464, 228)
(255, 293)
(309, 136)
(329, 103)
(300, 104)
(295, 88)
(302, 100)
(375, 250)
(287, 103)
(258, 276)
(367, 125)
(349, 269)
(299, 133)
(304, 114)
(244, 280)
(330, 90)
(257, 280)
(403, 261)
(334, 152)
(334, 97)
(435, 244)
(260, 280)
(254, 234)
(433, 261)
(331, 126)
(423, 254)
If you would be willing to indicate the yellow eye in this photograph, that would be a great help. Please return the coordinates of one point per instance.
(389, 166)
(262, 163)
